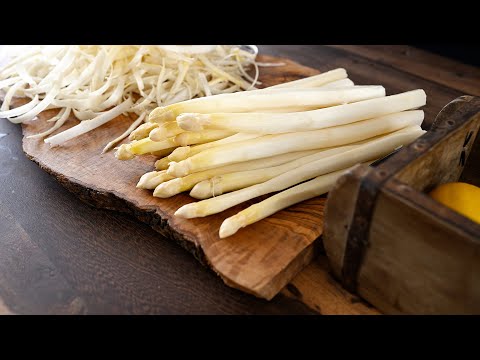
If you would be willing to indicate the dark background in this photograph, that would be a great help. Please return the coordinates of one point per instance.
(468, 54)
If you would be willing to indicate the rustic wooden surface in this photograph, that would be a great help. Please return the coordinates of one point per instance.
(109, 263)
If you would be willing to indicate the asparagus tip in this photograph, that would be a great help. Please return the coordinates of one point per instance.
(178, 169)
(179, 154)
(123, 153)
(167, 189)
(144, 181)
(187, 211)
(228, 227)
(192, 121)
(206, 189)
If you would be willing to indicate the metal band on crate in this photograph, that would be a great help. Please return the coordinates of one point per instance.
(357, 238)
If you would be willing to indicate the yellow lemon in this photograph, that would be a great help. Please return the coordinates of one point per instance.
(461, 197)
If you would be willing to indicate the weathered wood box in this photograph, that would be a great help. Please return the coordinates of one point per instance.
(394, 245)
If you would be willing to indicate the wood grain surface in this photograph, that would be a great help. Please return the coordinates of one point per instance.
(117, 265)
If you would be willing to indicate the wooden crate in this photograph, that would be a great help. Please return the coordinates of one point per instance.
(395, 246)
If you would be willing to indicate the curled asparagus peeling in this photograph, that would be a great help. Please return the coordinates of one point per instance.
(366, 152)
(270, 145)
(89, 80)
(263, 123)
(88, 125)
(179, 185)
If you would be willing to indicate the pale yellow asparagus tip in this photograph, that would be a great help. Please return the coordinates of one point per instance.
(123, 152)
(193, 121)
(157, 134)
(207, 188)
(152, 181)
(165, 130)
(179, 169)
(144, 146)
(179, 154)
(232, 224)
(168, 189)
(190, 211)
(146, 178)
(162, 164)
(142, 131)
(161, 115)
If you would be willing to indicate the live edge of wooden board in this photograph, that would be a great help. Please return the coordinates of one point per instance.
(260, 259)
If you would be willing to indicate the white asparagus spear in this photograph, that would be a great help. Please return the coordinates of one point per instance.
(338, 84)
(145, 146)
(162, 153)
(247, 101)
(323, 81)
(201, 137)
(307, 190)
(162, 164)
(162, 114)
(263, 122)
(165, 130)
(152, 179)
(270, 145)
(304, 121)
(142, 131)
(366, 152)
(318, 81)
(184, 152)
(242, 179)
(179, 185)
(124, 151)
(315, 80)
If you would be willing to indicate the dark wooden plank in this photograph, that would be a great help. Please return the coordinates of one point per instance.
(447, 72)
(364, 71)
(114, 263)
(29, 282)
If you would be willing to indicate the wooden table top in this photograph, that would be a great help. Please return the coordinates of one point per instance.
(59, 255)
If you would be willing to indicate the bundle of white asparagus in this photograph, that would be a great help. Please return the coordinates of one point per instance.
(295, 139)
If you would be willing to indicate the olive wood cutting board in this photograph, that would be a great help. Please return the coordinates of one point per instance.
(260, 259)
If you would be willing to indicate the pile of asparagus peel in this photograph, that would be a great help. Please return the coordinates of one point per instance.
(295, 139)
